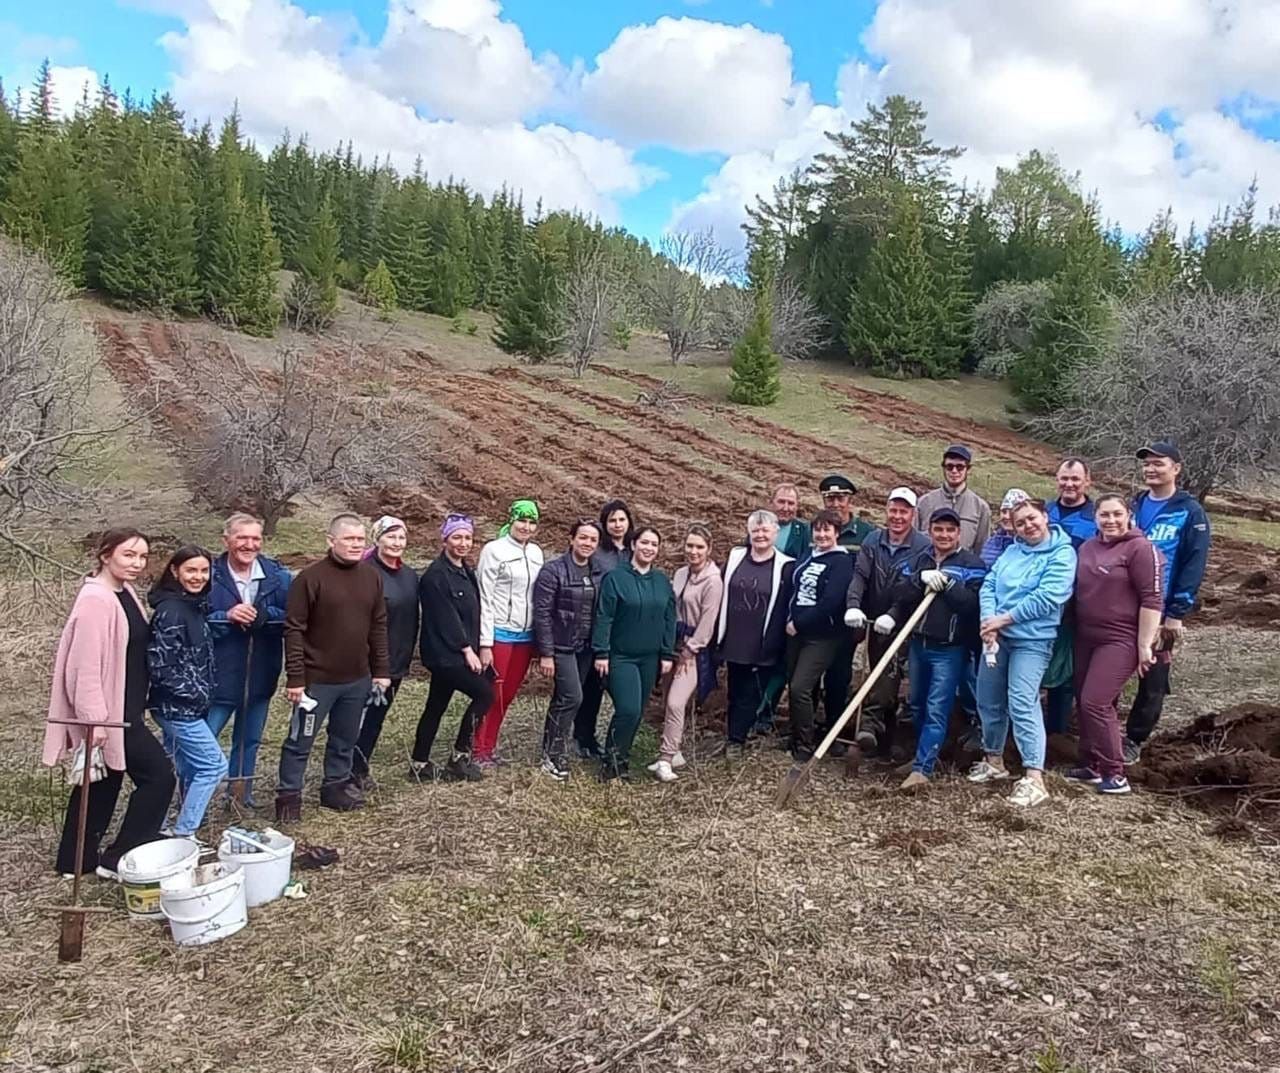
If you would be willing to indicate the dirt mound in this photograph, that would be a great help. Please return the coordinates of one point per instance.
(1228, 759)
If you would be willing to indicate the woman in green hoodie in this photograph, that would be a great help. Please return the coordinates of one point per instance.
(634, 640)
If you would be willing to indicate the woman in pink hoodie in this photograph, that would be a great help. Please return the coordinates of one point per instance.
(100, 681)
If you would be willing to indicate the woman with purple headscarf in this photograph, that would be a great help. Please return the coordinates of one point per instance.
(449, 595)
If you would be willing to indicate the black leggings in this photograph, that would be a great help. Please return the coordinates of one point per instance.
(153, 781)
(371, 730)
(445, 681)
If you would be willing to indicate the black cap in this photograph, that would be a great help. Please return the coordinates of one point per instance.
(1161, 449)
(958, 450)
(836, 484)
(944, 514)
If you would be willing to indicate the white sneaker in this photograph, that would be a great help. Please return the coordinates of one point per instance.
(985, 772)
(663, 773)
(1028, 794)
(654, 766)
(678, 760)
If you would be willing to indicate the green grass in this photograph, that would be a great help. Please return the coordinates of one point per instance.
(1257, 532)
(1218, 973)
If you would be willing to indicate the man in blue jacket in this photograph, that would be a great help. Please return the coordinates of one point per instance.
(1176, 523)
(247, 594)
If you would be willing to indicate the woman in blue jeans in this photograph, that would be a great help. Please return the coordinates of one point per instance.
(1021, 605)
(181, 670)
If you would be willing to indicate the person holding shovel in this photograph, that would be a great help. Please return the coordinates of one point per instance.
(943, 643)
(248, 592)
(1021, 601)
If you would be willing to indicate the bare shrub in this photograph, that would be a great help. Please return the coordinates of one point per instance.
(678, 295)
(1005, 321)
(665, 396)
(1197, 368)
(592, 304)
(797, 327)
(276, 434)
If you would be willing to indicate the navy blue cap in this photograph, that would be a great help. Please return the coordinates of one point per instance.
(958, 450)
(944, 514)
(1161, 449)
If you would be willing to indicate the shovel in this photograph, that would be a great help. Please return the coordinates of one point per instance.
(799, 774)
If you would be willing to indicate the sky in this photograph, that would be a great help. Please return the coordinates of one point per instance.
(673, 115)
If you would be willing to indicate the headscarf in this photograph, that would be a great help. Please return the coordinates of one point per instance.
(456, 523)
(521, 508)
(381, 528)
(1014, 497)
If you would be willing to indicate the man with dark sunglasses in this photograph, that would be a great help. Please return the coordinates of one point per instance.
(971, 508)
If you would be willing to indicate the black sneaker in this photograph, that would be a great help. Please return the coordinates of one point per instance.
(341, 797)
(554, 770)
(589, 750)
(463, 769)
(1132, 751)
(423, 772)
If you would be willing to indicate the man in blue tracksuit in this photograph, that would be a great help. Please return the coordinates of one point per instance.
(1072, 512)
(1176, 523)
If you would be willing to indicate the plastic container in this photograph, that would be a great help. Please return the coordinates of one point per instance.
(144, 867)
(266, 858)
(205, 905)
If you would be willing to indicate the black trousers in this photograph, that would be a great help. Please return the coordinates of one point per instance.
(371, 730)
(810, 659)
(584, 722)
(151, 773)
(838, 679)
(1148, 705)
(445, 682)
(746, 685)
(573, 670)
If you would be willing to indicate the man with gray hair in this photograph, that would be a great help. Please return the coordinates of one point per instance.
(335, 640)
(247, 594)
(753, 620)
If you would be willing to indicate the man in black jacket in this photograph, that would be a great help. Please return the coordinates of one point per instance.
(870, 597)
(944, 641)
(564, 600)
(815, 624)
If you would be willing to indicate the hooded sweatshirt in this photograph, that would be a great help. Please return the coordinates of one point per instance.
(1115, 579)
(1033, 584)
(179, 655)
(635, 615)
(506, 571)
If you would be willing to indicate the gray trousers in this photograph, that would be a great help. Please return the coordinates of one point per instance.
(342, 704)
(572, 671)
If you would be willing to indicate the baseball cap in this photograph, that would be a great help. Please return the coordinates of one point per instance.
(1014, 497)
(1161, 449)
(944, 514)
(958, 450)
(905, 494)
(836, 484)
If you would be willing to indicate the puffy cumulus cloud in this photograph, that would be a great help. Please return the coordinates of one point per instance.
(696, 85)
(70, 85)
(285, 68)
(1129, 93)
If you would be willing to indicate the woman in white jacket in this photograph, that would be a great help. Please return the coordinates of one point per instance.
(507, 569)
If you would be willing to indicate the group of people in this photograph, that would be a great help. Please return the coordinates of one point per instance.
(1074, 596)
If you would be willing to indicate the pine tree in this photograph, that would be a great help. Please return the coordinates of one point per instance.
(953, 295)
(1075, 320)
(893, 312)
(379, 288)
(8, 142)
(46, 207)
(257, 309)
(450, 286)
(526, 323)
(1157, 263)
(312, 301)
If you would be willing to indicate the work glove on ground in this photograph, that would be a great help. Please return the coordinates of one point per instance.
(885, 625)
(935, 580)
(855, 619)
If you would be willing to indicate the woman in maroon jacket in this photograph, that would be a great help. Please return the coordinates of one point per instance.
(1118, 607)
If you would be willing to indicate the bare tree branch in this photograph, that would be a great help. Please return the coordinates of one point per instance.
(678, 296)
(797, 327)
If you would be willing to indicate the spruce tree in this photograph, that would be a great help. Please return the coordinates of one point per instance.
(257, 309)
(755, 376)
(8, 141)
(526, 323)
(46, 207)
(379, 289)
(312, 301)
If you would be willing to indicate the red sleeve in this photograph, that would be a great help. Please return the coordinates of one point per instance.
(1146, 574)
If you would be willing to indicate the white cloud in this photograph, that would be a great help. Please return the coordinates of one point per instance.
(70, 85)
(285, 68)
(1128, 92)
(696, 85)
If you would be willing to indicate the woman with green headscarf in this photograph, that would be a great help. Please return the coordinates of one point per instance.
(507, 569)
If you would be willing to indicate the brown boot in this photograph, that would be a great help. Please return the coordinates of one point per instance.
(289, 806)
(341, 797)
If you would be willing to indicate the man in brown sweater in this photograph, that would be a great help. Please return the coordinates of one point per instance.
(335, 649)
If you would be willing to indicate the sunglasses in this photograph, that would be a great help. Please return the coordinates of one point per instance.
(955, 465)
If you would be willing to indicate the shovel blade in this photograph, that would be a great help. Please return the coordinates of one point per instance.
(71, 937)
(792, 783)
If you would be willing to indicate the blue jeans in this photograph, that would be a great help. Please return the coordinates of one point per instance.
(1010, 691)
(968, 690)
(198, 759)
(935, 670)
(246, 736)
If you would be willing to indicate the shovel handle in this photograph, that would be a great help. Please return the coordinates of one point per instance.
(871, 679)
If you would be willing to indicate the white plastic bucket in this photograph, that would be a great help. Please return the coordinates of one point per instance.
(205, 905)
(143, 868)
(266, 870)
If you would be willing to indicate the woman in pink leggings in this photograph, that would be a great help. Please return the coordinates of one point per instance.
(1118, 609)
(698, 588)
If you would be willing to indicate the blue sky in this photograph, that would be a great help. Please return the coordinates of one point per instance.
(673, 114)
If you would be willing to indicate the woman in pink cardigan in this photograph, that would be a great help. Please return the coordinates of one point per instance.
(100, 680)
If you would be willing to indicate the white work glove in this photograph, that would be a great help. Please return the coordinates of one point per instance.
(885, 625)
(855, 619)
(935, 580)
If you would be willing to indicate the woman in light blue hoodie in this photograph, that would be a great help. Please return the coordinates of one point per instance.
(1022, 600)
